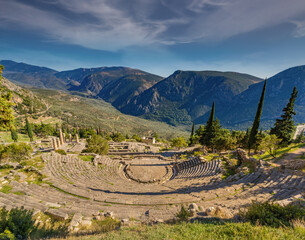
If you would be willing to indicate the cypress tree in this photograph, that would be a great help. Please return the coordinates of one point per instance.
(204, 139)
(255, 126)
(283, 128)
(192, 137)
(193, 130)
(212, 116)
(14, 134)
(28, 129)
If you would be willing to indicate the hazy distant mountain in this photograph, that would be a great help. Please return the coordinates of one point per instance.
(116, 85)
(112, 82)
(241, 110)
(29, 75)
(187, 95)
(181, 98)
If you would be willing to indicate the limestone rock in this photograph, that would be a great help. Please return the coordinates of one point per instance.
(109, 214)
(57, 214)
(193, 207)
(222, 213)
(210, 211)
(86, 222)
(125, 221)
(77, 218)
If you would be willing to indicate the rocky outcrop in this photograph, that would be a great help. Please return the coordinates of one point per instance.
(243, 157)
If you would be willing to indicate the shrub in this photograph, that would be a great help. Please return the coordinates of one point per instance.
(16, 223)
(178, 142)
(97, 144)
(117, 137)
(16, 151)
(272, 214)
(183, 214)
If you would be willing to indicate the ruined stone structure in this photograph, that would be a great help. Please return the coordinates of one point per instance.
(54, 143)
(61, 137)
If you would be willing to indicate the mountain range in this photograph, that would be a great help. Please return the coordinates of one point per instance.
(180, 99)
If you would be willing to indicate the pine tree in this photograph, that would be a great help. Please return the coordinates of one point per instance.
(6, 112)
(14, 134)
(28, 129)
(283, 128)
(255, 126)
(192, 137)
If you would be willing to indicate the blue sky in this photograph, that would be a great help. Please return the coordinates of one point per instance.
(259, 37)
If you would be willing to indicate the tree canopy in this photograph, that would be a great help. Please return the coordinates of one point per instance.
(256, 122)
(284, 127)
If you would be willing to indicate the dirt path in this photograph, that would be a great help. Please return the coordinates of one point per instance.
(292, 160)
(299, 130)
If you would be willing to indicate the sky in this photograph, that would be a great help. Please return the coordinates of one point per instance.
(259, 37)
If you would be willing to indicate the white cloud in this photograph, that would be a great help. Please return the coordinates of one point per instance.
(104, 25)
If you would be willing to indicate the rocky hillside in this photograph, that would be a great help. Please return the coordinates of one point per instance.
(31, 76)
(241, 110)
(187, 95)
(179, 99)
(116, 85)
(25, 101)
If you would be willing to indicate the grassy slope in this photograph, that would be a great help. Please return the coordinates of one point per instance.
(201, 231)
(90, 112)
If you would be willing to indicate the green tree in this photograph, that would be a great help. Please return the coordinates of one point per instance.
(255, 126)
(213, 134)
(97, 144)
(136, 137)
(224, 140)
(16, 152)
(14, 134)
(192, 137)
(178, 142)
(284, 127)
(271, 144)
(6, 112)
(28, 129)
(205, 138)
(117, 137)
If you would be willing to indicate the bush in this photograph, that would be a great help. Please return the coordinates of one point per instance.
(178, 142)
(183, 214)
(17, 223)
(117, 137)
(16, 151)
(97, 144)
(272, 214)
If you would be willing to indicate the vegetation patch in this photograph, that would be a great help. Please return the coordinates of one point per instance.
(61, 152)
(6, 188)
(63, 191)
(272, 214)
(280, 152)
(201, 230)
(86, 158)
(19, 193)
(101, 226)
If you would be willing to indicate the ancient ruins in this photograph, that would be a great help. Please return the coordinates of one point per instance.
(135, 178)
